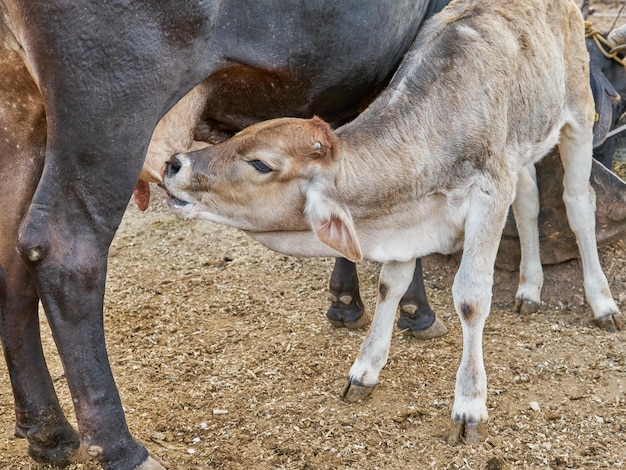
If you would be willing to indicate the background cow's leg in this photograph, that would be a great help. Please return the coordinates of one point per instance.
(395, 278)
(472, 291)
(415, 312)
(526, 210)
(346, 307)
(575, 150)
(38, 414)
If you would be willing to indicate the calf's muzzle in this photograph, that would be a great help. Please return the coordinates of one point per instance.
(173, 166)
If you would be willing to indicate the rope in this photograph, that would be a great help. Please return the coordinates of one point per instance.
(601, 42)
(615, 131)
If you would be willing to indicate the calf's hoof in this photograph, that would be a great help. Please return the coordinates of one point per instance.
(353, 393)
(348, 312)
(526, 307)
(462, 432)
(612, 323)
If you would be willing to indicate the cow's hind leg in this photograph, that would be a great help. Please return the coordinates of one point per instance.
(39, 417)
(416, 315)
(575, 148)
(526, 210)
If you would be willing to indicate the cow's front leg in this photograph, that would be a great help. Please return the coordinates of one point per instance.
(472, 291)
(395, 278)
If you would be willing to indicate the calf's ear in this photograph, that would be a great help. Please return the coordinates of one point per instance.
(332, 224)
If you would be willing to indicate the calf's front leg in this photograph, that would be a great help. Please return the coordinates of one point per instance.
(395, 278)
(472, 292)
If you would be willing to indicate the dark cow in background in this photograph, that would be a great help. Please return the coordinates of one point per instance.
(82, 88)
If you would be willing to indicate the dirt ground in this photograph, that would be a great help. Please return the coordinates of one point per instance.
(224, 359)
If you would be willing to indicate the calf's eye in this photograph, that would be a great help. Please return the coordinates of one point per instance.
(260, 166)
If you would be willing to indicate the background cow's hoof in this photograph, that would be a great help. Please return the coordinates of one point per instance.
(63, 455)
(52, 441)
(611, 323)
(422, 324)
(348, 312)
(152, 463)
(525, 307)
(353, 393)
(466, 433)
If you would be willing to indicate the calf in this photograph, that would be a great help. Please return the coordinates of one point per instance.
(432, 165)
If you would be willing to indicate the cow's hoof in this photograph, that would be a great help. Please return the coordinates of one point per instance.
(152, 463)
(422, 323)
(53, 441)
(466, 433)
(353, 393)
(611, 323)
(347, 312)
(60, 456)
(526, 307)
(435, 330)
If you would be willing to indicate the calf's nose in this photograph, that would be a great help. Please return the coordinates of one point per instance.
(173, 166)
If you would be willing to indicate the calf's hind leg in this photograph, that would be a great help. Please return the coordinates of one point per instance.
(526, 210)
(575, 148)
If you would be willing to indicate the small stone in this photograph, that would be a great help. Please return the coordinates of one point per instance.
(535, 406)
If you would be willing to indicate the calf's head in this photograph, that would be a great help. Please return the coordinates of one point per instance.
(274, 176)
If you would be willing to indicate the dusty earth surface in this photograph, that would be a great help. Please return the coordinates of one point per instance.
(224, 359)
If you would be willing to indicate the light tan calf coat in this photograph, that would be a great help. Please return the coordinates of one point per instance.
(433, 165)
